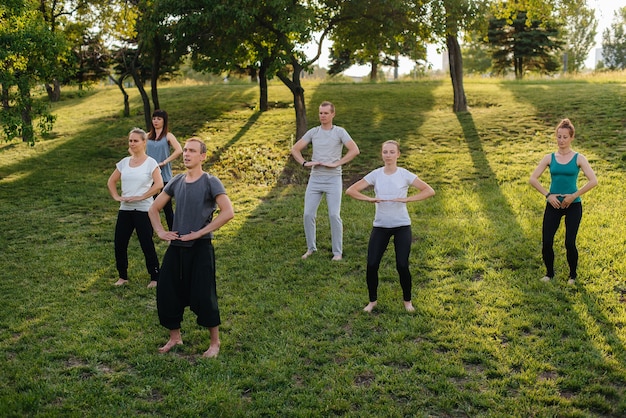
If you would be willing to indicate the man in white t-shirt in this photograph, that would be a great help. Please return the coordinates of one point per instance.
(328, 141)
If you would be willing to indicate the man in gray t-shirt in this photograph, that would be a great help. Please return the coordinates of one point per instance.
(328, 141)
(188, 271)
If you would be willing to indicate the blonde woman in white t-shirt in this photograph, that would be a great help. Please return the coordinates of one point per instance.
(140, 178)
(391, 184)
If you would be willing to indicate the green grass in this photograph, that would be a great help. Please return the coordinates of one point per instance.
(487, 338)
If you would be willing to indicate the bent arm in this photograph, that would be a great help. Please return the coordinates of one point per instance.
(592, 180)
(534, 177)
(178, 149)
(114, 178)
(425, 191)
(296, 151)
(353, 151)
(354, 191)
(155, 218)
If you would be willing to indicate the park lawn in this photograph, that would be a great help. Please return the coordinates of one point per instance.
(487, 338)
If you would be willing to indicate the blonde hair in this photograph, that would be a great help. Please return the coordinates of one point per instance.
(199, 141)
(140, 132)
(327, 103)
(392, 142)
(566, 124)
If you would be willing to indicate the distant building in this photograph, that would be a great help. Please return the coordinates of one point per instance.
(598, 57)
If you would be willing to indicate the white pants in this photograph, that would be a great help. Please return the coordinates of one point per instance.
(332, 187)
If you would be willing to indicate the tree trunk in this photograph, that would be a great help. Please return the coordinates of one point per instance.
(5, 98)
(295, 86)
(26, 104)
(142, 91)
(263, 103)
(54, 91)
(374, 73)
(156, 70)
(456, 73)
(120, 84)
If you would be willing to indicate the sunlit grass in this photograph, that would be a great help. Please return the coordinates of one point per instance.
(487, 338)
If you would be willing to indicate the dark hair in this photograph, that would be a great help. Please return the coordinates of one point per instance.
(566, 124)
(159, 114)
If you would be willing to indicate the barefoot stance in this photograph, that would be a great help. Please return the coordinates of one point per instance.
(212, 352)
(370, 306)
(170, 344)
(307, 255)
(153, 283)
(120, 282)
(409, 306)
(337, 258)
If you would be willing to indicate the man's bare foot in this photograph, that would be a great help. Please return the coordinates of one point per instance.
(170, 344)
(337, 257)
(370, 306)
(120, 282)
(153, 283)
(212, 352)
(307, 255)
(408, 306)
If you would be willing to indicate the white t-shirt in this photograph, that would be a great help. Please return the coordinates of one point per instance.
(136, 181)
(391, 186)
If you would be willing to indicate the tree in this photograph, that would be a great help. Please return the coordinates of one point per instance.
(269, 35)
(449, 19)
(579, 32)
(28, 56)
(523, 45)
(614, 42)
(377, 32)
(476, 55)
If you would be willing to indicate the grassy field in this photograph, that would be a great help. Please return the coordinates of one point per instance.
(487, 338)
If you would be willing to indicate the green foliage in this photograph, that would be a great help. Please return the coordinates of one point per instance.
(476, 55)
(487, 338)
(377, 32)
(29, 54)
(614, 42)
(523, 45)
(580, 28)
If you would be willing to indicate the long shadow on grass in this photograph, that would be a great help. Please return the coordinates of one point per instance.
(573, 332)
(294, 322)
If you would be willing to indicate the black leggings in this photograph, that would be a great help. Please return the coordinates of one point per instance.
(551, 221)
(379, 239)
(127, 222)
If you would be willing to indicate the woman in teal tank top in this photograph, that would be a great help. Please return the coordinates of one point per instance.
(563, 197)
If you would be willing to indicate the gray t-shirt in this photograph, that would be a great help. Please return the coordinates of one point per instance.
(195, 204)
(327, 147)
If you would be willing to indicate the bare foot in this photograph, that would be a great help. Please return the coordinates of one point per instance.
(370, 306)
(170, 344)
(337, 258)
(408, 306)
(307, 255)
(120, 282)
(153, 283)
(212, 352)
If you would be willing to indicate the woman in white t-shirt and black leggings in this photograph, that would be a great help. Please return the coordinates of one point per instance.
(140, 179)
(391, 184)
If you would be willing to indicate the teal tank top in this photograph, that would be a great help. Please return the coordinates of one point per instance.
(564, 177)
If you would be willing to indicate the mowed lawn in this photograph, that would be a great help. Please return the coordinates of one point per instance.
(488, 338)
